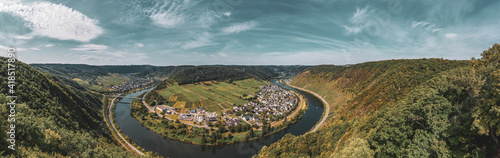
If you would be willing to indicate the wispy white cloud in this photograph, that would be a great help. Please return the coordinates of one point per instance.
(55, 21)
(360, 15)
(204, 39)
(49, 45)
(90, 47)
(450, 35)
(239, 27)
(23, 37)
(113, 56)
(140, 45)
(171, 14)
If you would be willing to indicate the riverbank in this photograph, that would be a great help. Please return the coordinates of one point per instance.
(109, 115)
(198, 136)
(326, 105)
(166, 147)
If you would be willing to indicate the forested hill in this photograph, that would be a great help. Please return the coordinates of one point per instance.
(263, 72)
(403, 108)
(163, 72)
(72, 70)
(221, 73)
(53, 119)
(125, 69)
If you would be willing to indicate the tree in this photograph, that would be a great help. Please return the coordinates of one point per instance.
(250, 134)
(163, 114)
(357, 147)
(486, 114)
(203, 138)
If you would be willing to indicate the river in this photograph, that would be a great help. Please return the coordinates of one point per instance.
(166, 147)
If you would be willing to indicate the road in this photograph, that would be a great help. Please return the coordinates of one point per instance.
(327, 106)
(127, 145)
(151, 109)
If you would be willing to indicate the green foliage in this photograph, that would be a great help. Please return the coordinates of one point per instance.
(126, 68)
(356, 147)
(209, 73)
(486, 115)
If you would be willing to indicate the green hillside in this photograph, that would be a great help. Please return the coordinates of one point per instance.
(403, 108)
(72, 70)
(211, 95)
(96, 78)
(162, 72)
(262, 72)
(125, 69)
(54, 119)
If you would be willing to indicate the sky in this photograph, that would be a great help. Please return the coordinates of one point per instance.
(246, 32)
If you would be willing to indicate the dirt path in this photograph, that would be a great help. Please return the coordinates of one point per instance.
(151, 109)
(127, 144)
(327, 106)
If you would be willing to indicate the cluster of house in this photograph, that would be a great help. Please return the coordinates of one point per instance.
(198, 115)
(271, 100)
(287, 81)
(134, 83)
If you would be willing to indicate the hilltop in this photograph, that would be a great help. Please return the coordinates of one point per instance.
(402, 108)
(181, 73)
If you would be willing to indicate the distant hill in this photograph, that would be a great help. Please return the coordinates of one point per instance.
(162, 72)
(96, 78)
(125, 69)
(221, 73)
(72, 70)
(54, 119)
(402, 108)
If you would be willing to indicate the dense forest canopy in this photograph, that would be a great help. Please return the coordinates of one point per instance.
(125, 69)
(403, 108)
(72, 70)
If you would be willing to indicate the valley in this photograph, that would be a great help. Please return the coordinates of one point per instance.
(234, 109)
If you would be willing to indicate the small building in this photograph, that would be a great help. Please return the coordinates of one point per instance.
(230, 123)
(186, 117)
(199, 118)
(259, 123)
(193, 111)
(161, 107)
(212, 117)
(248, 118)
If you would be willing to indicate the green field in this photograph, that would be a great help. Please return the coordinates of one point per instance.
(113, 79)
(213, 96)
(102, 83)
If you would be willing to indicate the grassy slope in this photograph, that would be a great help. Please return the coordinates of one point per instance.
(355, 90)
(208, 94)
(96, 78)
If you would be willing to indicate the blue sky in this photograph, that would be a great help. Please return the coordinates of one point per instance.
(246, 32)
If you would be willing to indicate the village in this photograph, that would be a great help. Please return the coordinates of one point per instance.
(133, 84)
(271, 104)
